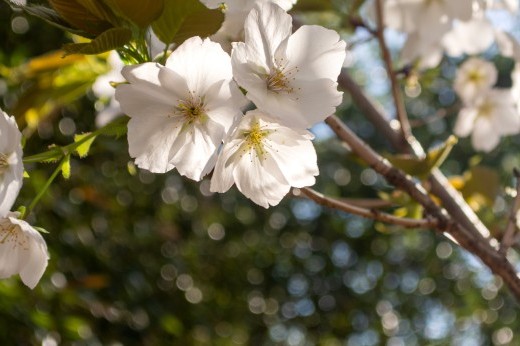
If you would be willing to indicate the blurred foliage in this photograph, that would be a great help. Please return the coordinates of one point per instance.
(143, 259)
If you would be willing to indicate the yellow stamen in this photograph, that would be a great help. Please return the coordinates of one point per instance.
(192, 110)
(4, 162)
(254, 139)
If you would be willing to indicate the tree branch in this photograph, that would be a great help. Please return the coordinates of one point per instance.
(405, 128)
(451, 198)
(509, 234)
(475, 243)
(374, 214)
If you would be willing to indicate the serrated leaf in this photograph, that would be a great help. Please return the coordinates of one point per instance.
(116, 128)
(83, 149)
(41, 230)
(140, 12)
(182, 19)
(421, 167)
(99, 9)
(110, 39)
(65, 167)
(80, 17)
(26, 174)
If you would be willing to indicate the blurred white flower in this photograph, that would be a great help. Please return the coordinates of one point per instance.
(104, 90)
(180, 112)
(236, 11)
(22, 250)
(469, 37)
(264, 159)
(490, 116)
(290, 75)
(11, 165)
(474, 77)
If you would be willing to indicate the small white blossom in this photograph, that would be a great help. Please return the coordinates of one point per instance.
(11, 165)
(491, 116)
(180, 112)
(474, 77)
(294, 75)
(22, 250)
(264, 159)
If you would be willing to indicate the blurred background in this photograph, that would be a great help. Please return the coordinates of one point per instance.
(144, 259)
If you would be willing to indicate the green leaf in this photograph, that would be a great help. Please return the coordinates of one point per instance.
(421, 167)
(65, 167)
(182, 19)
(110, 39)
(140, 12)
(83, 149)
(116, 128)
(41, 230)
(80, 17)
(481, 181)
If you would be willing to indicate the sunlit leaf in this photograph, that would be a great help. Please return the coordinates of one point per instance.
(83, 149)
(182, 19)
(421, 167)
(111, 39)
(65, 167)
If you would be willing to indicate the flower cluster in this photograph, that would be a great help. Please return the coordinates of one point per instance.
(488, 113)
(445, 26)
(188, 114)
(22, 249)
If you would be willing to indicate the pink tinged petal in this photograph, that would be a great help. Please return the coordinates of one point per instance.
(223, 103)
(316, 52)
(484, 137)
(470, 37)
(150, 140)
(202, 63)
(465, 121)
(222, 178)
(266, 26)
(193, 152)
(35, 262)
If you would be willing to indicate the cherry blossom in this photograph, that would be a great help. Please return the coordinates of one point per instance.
(11, 165)
(491, 116)
(180, 112)
(22, 250)
(264, 159)
(474, 77)
(290, 75)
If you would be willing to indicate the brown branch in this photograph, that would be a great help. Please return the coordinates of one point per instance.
(509, 234)
(406, 130)
(474, 242)
(374, 214)
(451, 198)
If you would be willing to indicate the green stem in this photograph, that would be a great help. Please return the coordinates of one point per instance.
(48, 183)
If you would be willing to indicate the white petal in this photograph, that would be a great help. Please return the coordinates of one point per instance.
(317, 52)
(471, 37)
(201, 62)
(465, 121)
(266, 26)
(11, 176)
(150, 140)
(484, 137)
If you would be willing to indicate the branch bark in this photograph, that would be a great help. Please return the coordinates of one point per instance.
(474, 242)
(374, 214)
(509, 234)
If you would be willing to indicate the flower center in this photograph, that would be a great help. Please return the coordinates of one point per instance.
(485, 109)
(254, 139)
(192, 110)
(475, 76)
(279, 80)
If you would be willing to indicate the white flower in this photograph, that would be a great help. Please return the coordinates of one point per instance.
(474, 77)
(11, 165)
(22, 250)
(180, 112)
(264, 159)
(236, 11)
(294, 75)
(491, 116)
(469, 37)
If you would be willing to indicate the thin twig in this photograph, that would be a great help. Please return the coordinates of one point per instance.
(511, 228)
(394, 84)
(367, 213)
